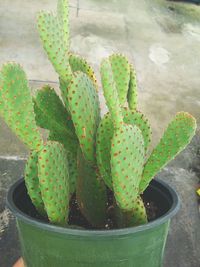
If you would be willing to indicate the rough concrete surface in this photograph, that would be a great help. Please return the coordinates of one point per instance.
(162, 38)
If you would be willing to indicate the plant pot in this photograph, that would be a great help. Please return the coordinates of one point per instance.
(46, 245)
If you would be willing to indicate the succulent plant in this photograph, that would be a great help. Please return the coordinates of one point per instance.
(84, 153)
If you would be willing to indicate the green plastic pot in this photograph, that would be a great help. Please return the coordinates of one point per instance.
(46, 245)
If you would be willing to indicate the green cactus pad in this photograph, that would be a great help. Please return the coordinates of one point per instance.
(85, 112)
(110, 92)
(78, 63)
(127, 160)
(103, 147)
(54, 181)
(55, 41)
(134, 117)
(73, 171)
(63, 17)
(32, 182)
(91, 193)
(51, 114)
(132, 91)
(121, 75)
(177, 135)
(137, 216)
(105, 134)
(16, 106)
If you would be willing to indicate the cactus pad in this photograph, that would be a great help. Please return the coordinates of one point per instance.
(53, 179)
(110, 92)
(78, 63)
(55, 39)
(105, 134)
(52, 115)
(134, 117)
(73, 171)
(32, 182)
(103, 146)
(121, 75)
(177, 135)
(91, 193)
(132, 91)
(137, 216)
(84, 108)
(16, 105)
(127, 160)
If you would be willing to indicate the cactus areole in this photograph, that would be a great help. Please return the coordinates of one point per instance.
(102, 164)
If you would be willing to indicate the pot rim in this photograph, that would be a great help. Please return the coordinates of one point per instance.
(102, 233)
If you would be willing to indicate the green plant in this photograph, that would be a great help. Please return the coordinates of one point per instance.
(84, 152)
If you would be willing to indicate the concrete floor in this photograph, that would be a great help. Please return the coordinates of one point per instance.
(161, 38)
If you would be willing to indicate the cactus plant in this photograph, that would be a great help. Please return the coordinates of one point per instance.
(85, 153)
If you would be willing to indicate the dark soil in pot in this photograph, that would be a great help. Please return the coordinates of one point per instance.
(154, 208)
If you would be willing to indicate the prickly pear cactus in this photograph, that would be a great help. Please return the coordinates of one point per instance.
(132, 91)
(84, 153)
(54, 33)
(127, 160)
(177, 135)
(104, 138)
(84, 108)
(91, 193)
(16, 106)
(53, 178)
(32, 182)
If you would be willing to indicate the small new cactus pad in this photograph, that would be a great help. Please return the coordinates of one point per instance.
(55, 39)
(84, 108)
(32, 182)
(121, 75)
(16, 105)
(127, 161)
(177, 135)
(110, 92)
(78, 63)
(134, 117)
(54, 181)
(105, 134)
(132, 91)
(91, 193)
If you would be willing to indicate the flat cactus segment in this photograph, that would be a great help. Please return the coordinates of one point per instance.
(32, 182)
(91, 193)
(55, 43)
(54, 181)
(110, 92)
(73, 171)
(127, 160)
(63, 17)
(104, 138)
(16, 106)
(85, 112)
(139, 119)
(138, 215)
(103, 146)
(121, 74)
(132, 91)
(51, 114)
(78, 63)
(177, 135)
